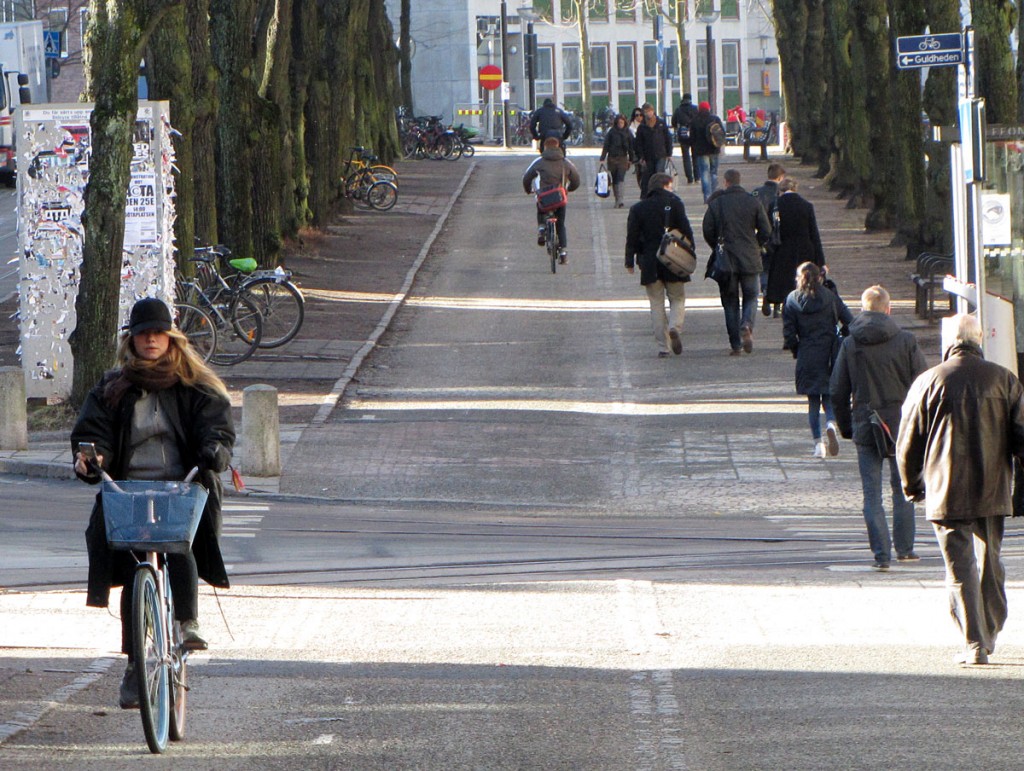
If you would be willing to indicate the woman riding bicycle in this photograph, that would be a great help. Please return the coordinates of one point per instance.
(553, 170)
(161, 412)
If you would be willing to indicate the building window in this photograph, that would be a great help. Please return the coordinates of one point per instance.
(599, 69)
(625, 10)
(730, 9)
(650, 71)
(570, 70)
(702, 71)
(625, 55)
(543, 9)
(672, 66)
(731, 93)
(544, 75)
(598, 10)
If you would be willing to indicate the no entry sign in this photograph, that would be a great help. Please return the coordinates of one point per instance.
(490, 76)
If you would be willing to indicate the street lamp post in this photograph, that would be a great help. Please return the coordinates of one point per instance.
(530, 53)
(504, 74)
(709, 17)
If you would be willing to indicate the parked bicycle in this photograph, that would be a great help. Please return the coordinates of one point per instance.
(234, 314)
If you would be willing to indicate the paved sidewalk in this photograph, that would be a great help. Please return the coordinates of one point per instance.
(355, 276)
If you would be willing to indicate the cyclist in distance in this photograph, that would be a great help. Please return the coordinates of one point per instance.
(549, 121)
(553, 170)
(161, 412)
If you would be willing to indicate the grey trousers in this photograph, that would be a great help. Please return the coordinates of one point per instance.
(975, 577)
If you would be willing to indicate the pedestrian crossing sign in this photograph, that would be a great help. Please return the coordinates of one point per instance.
(51, 44)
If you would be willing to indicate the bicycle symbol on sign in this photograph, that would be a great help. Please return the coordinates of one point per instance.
(929, 44)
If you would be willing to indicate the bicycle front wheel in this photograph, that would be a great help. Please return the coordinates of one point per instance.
(282, 307)
(197, 325)
(382, 195)
(238, 333)
(149, 652)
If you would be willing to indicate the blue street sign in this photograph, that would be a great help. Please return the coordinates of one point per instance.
(51, 44)
(915, 51)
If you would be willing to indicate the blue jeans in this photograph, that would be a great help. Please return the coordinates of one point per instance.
(870, 464)
(707, 170)
(729, 291)
(815, 403)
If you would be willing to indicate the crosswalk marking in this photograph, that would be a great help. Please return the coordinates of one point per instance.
(242, 520)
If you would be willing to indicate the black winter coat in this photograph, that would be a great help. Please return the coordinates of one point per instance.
(683, 116)
(809, 329)
(739, 219)
(618, 144)
(205, 436)
(877, 356)
(801, 242)
(653, 142)
(550, 121)
(962, 423)
(699, 134)
(644, 228)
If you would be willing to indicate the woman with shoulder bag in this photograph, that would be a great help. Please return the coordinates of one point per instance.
(618, 151)
(810, 319)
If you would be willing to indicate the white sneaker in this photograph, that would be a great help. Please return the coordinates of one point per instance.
(819, 450)
(832, 438)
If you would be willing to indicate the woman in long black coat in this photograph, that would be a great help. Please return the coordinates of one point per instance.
(161, 412)
(809, 321)
(800, 242)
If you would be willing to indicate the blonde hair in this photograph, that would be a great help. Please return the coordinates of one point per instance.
(186, 363)
(787, 184)
(875, 298)
(968, 329)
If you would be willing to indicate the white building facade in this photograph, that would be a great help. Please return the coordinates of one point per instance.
(634, 54)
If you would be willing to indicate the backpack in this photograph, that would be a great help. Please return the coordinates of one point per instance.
(716, 134)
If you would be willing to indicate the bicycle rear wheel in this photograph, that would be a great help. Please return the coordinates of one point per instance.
(197, 325)
(148, 652)
(551, 239)
(239, 331)
(178, 682)
(282, 307)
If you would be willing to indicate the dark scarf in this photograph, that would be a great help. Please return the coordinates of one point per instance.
(155, 376)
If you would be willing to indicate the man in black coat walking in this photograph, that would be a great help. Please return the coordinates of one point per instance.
(682, 119)
(647, 221)
(738, 221)
(875, 367)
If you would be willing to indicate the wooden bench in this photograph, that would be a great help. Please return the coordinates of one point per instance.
(928, 275)
(758, 136)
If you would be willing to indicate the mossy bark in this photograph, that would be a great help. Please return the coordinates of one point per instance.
(169, 70)
(994, 21)
(204, 108)
(117, 34)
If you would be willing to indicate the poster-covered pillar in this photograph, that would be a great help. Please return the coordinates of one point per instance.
(54, 146)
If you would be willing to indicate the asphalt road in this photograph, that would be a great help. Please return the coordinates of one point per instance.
(549, 549)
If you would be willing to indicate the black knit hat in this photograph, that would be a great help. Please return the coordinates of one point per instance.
(149, 313)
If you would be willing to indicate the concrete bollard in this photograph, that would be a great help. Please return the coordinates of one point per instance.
(13, 409)
(261, 434)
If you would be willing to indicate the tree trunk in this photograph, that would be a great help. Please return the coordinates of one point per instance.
(231, 45)
(169, 71)
(939, 102)
(116, 35)
(994, 21)
(204, 143)
(906, 171)
(790, 35)
(583, 8)
(684, 52)
(815, 142)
